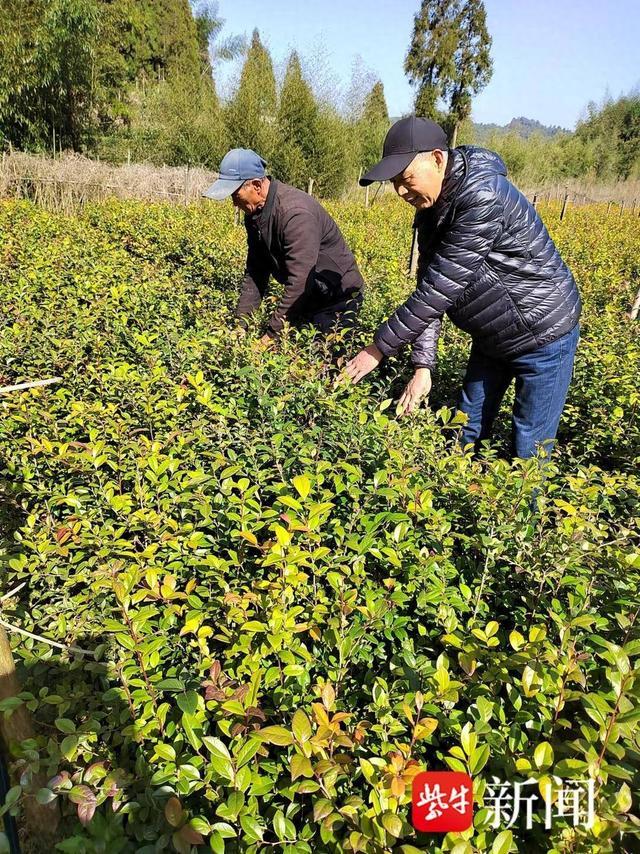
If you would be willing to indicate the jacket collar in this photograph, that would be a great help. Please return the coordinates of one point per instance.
(263, 216)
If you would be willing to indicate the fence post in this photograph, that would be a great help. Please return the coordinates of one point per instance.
(310, 187)
(41, 822)
(413, 257)
(564, 206)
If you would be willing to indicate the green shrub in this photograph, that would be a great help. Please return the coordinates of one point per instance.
(293, 599)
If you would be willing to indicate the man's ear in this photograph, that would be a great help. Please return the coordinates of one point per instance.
(440, 157)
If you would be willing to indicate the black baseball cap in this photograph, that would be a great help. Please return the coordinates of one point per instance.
(406, 138)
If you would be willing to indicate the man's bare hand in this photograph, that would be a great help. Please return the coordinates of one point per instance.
(366, 361)
(418, 387)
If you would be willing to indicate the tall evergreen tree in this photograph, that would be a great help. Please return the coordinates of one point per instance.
(430, 64)
(473, 65)
(372, 126)
(448, 59)
(296, 146)
(251, 114)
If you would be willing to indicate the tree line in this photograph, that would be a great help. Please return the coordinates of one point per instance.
(137, 79)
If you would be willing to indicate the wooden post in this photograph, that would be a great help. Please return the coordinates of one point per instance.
(366, 196)
(310, 187)
(413, 257)
(41, 821)
(5, 389)
(564, 206)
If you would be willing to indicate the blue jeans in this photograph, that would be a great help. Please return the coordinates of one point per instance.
(542, 380)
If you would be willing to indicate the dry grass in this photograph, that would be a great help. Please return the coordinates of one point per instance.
(586, 192)
(69, 181)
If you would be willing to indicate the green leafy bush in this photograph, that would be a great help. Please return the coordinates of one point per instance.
(294, 600)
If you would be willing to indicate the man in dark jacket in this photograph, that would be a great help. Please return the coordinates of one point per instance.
(488, 262)
(291, 237)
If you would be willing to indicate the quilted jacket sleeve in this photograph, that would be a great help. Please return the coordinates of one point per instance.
(477, 224)
(425, 346)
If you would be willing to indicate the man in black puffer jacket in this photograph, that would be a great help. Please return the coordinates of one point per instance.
(488, 262)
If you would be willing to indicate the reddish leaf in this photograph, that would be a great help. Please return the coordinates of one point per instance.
(173, 812)
(81, 794)
(63, 534)
(86, 811)
(190, 836)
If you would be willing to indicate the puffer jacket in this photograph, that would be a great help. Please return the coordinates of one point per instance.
(488, 262)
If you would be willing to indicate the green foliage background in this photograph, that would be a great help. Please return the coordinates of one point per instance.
(136, 80)
(294, 599)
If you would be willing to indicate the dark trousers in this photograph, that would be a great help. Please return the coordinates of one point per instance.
(541, 384)
(336, 316)
(339, 317)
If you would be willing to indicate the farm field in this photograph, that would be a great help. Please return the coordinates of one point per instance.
(291, 599)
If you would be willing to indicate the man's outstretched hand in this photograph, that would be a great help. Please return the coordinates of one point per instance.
(418, 387)
(362, 364)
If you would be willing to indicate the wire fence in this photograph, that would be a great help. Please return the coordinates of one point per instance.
(69, 180)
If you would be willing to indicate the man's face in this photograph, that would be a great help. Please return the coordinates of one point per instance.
(421, 182)
(250, 196)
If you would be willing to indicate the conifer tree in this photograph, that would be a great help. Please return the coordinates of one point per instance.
(448, 59)
(372, 126)
(251, 115)
(296, 138)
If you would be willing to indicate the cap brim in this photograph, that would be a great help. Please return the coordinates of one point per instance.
(388, 168)
(222, 189)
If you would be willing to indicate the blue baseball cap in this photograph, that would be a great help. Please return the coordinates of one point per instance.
(238, 165)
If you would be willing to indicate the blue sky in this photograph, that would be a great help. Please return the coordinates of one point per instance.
(551, 57)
